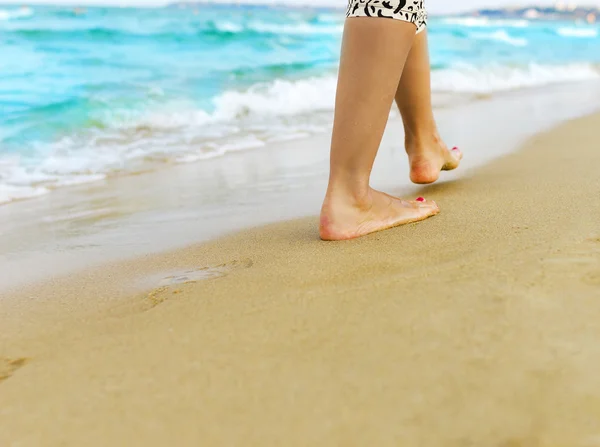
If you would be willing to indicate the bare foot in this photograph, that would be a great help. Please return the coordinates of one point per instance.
(427, 159)
(343, 217)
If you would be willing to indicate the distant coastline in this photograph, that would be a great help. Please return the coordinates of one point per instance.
(258, 4)
(562, 11)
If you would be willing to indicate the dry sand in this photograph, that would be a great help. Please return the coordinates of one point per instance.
(479, 327)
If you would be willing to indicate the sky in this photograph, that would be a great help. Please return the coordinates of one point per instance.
(434, 6)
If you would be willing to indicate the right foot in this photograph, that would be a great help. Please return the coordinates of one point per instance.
(428, 159)
(343, 217)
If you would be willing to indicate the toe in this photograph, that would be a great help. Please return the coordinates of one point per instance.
(426, 205)
(456, 153)
(452, 159)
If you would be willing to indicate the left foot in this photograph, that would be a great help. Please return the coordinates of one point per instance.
(428, 158)
(344, 217)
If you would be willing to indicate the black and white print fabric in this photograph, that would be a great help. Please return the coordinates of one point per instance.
(412, 11)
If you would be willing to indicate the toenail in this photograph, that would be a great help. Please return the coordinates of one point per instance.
(455, 148)
(420, 199)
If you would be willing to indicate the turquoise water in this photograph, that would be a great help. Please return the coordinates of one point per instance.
(85, 94)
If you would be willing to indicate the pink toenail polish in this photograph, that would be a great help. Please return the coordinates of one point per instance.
(455, 148)
(420, 199)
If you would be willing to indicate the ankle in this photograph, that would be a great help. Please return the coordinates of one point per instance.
(348, 192)
(421, 142)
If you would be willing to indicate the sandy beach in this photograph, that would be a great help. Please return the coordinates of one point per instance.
(162, 280)
(475, 328)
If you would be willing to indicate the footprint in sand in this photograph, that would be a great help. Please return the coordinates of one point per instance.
(166, 285)
(594, 240)
(9, 366)
(203, 273)
(592, 278)
(584, 253)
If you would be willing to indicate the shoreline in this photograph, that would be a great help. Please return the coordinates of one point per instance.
(478, 324)
(132, 216)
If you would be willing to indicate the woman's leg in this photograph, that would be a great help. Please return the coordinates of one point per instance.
(427, 153)
(374, 51)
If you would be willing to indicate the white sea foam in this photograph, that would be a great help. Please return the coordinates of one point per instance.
(229, 27)
(9, 193)
(501, 36)
(484, 22)
(298, 28)
(11, 14)
(288, 98)
(278, 98)
(470, 79)
(578, 32)
(330, 18)
(239, 120)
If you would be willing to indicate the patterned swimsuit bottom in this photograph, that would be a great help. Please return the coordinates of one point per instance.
(412, 11)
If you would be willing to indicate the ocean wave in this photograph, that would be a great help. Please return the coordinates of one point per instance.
(10, 193)
(216, 28)
(294, 28)
(274, 99)
(280, 97)
(90, 34)
(330, 18)
(298, 28)
(229, 27)
(501, 36)
(21, 180)
(490, 79)
(578, 32)
(258, 28)
(484, 22)
(180, 132)
(12, 14)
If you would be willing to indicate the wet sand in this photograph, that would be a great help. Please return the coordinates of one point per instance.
(478, 327)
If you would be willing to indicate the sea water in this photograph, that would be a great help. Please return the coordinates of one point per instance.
(90, 93)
